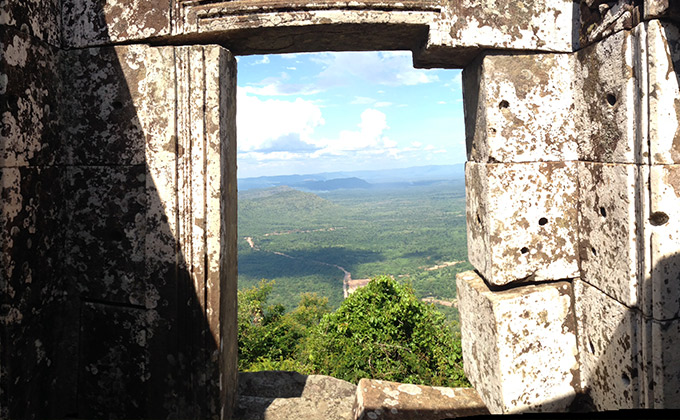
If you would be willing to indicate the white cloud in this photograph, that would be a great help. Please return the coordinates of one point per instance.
(276, 88)
(263, 60)
(382, 104)
(380, 68)
(271, 124)
(369, 138)
(362, 100)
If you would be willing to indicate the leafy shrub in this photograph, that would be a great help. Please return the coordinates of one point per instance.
(269, 338)
(382, 331)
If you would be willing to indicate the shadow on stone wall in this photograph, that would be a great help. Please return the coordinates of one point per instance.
(100, 314)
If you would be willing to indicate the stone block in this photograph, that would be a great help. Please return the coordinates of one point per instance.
(662, 9)
(519, 108)
(29, 101)
(31, 234)
(37, 18)
(663, 377)
(607, 97)
(663, 222)
(519, 344)
(521, 221)
(114, 359)
(610, 234)
(89, 23)
(663, 55)
(106, 235)
(377, 399)
(503, 24)
(600, 19)
(117, 100)
(32, 291)
(608, 342)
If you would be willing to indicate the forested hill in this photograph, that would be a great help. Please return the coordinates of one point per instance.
(359, 179)
(298, 239)
(282, 208)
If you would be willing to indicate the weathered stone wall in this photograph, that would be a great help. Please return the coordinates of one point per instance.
(31, 187)
(606, 221)
(118, 258)
(118, 212)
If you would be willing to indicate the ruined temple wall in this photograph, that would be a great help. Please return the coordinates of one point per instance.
(604, 120)
(118, 184)
(115, 247)
(31, 209)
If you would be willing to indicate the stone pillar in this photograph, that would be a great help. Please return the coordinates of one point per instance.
(118, 231)
(573, 175)
(519, 338)
(150, 271)
(31, 203)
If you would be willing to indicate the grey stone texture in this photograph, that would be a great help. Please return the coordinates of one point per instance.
(668, 9)
(663, 51)
(377, 399)
(609, 339)
(30, 98)
(624, 92)
(600, 19)
(663, 224)
(503, 95)
(104, 303)
(522, 342)
(662, 379)
(272, 395)
(521, 228)
(607, 94)
(440, 33)
(610, 234)
(31, 191)
(93, 22)
(40, 19)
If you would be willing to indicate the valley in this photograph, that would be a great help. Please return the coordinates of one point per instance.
(329, 242)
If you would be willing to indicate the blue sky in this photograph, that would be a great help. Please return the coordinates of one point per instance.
(323, 112)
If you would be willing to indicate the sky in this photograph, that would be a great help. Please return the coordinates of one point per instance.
(324, 112)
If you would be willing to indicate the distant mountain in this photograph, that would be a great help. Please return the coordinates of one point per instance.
(283, 198)
(333, 184)
(412, 175)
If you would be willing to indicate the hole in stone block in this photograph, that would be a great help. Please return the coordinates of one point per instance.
(594, 251)
(611, 99)
(524, 250)
(603, 212)
(625, 379)
(117, 105)
(591, 347)
(542, 221)
(658, 218)
(504, 104)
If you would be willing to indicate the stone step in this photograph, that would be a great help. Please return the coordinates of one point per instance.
(258, 408)
(377, 399)
(278, 395)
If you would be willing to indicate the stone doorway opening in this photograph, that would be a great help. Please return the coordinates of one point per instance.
(353, 133)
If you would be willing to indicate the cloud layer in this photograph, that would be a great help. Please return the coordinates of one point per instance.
(323, 109)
